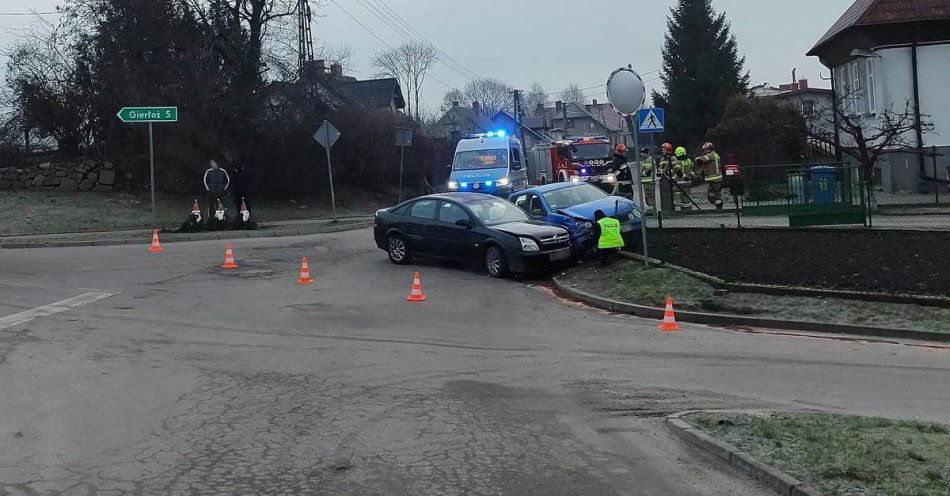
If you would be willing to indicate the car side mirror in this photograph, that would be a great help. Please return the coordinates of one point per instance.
(537, 212)
(466, 223)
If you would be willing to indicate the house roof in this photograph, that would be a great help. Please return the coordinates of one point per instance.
(873, 12)
(375, 92)
(505, 115)
(463, 115)
(606, 113)
(573, 111)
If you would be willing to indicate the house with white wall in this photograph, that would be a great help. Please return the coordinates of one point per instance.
(886, 54)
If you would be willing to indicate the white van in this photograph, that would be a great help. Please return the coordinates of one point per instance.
(492, 163)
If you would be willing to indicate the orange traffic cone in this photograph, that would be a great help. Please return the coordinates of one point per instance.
(304, 272)
(416, 293)
(669, 320)
(156, 246)
(228, 258)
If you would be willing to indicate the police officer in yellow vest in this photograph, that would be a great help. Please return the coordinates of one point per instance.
(712, 174)
(609, 239)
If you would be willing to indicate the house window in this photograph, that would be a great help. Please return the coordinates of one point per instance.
(869, 92)
(808, 108)
(857, 96)
(844, 89)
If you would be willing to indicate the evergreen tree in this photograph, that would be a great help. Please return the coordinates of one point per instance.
(702, 69)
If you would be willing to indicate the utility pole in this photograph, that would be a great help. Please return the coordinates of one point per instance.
(519, 118)
(304, 37)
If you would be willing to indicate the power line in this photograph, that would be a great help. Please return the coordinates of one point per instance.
(596, 86)
(28, 13)
(403, 22)
(383, 17)
(368, 30)
(357, 21)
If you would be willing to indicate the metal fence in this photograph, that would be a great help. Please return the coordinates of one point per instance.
(798, 195)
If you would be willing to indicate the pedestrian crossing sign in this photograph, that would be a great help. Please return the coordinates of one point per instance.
(652, 120)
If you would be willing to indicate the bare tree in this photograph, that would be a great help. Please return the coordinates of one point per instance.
(409, 63)
(340, 53)
(452, 97)
(47, 90)
(868, 139)
(241, 29)
(573, 94)
(536, 96)
(491, 94)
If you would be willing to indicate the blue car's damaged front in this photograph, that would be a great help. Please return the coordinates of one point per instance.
(572, 206)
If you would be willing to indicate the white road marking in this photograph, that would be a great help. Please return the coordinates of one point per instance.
(52, 308)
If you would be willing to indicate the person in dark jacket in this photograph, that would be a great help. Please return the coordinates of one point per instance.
(216, 183)
(242, 179)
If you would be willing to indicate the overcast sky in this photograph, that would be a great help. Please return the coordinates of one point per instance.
(553, 42)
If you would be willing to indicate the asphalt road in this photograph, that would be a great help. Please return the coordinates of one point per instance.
(130, 373)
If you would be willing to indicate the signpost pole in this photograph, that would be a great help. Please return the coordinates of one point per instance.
(638, 179)
(151, 167)
(330, 172)
(402, 154)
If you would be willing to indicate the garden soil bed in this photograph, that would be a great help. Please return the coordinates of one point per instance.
(889, 261)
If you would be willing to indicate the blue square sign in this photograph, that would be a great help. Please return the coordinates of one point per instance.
(652, 120)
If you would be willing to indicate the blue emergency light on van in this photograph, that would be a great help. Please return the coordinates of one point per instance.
(492, 162)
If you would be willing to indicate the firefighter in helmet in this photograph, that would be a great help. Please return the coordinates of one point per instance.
(669, 166)
(684, 178)
(622, 169)
(648, 178)
(686, 165)
(711, 167)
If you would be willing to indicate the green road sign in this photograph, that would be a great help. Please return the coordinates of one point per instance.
(148, 114)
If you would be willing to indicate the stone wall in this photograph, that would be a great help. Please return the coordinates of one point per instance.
(77, 175)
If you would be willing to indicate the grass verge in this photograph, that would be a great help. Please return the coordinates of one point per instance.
(843, 455)
(38, 211)
(627, 281)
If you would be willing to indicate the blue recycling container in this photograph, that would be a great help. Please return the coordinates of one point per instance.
(824, 184)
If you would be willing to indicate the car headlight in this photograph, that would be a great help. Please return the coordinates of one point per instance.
(453, 185)
(610, 178)
(502, 182)
(528, 244)
(575, 179)
(586, 224)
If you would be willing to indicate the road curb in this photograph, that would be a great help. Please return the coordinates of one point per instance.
(777, 480)
(171, 238)
(726, 320)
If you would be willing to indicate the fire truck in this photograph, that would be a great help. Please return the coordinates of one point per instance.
(585, 159)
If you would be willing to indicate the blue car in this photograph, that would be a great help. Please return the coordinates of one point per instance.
(572, 206)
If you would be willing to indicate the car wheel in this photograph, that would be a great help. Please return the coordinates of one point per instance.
(398, 250)
(496, 264)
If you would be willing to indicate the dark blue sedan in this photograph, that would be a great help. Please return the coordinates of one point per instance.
(572, 205)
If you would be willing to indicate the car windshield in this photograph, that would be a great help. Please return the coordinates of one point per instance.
(494, 212)
(592, 151)
(481, 159)
(571, 196)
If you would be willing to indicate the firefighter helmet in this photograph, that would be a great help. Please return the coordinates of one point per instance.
(645, 151)
(708, 146)
(620, 149)
(667, 148)
(680, 152)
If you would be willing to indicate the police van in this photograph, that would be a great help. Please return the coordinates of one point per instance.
(491, 163)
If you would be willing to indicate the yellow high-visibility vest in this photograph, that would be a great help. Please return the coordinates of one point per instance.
(609, 234)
